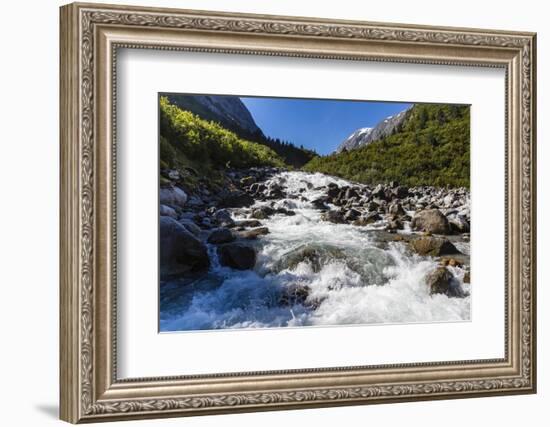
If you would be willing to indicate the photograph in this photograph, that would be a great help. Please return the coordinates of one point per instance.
(271, 210)
(288, 212)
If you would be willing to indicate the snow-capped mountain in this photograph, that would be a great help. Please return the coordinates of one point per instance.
(364, 136)
(355, 139)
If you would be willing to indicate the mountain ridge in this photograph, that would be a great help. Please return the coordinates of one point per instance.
(232, 114)
(431, 146)
(385, 127)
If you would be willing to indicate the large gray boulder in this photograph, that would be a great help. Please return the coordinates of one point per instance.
(431, 221)
(168, 211)
(434, 246)
(190, 226)
(237, 255)
(221, 235)
(173, 196)
(180, 251)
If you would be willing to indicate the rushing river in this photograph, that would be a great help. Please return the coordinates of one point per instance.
(355, 276)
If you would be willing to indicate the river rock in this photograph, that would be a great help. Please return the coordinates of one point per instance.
(235, 199)
(431, 221)
(394, 225)
(263, 212)
(221, 235)
(379, 191)
(320, 203)
(458, 224)
(352, 215)
(180, 251)
(396, 209)
(364, 220)
(333, 190)
(223, 218)
(285, 211)
(237, 255)
(442, 281)
(248, 223)
(372, 206)
(400, 192)
(316, 255)
(333, 216)
(253, 233)
(298, 293)
(190, 226)
(257, 188)
(173, 196)
(168, 211)
(434, 246)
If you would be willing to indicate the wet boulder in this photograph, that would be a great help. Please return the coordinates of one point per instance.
(248, 223)
(333, 190)
(173, 196)
(237, 255)
(394, 225)
(372, 206)
(298, 293)
(294, 294)
(263, 212)
(168, 211)
(223, 218)
(433, 246)
(431, 221)
(364, 220)
(253, 233)
(352, 215)
(333, 216)
(221, 235)
(180, 251)
(379, 191)
(442, 281)
(400, 192)
(458, 224)
(396, 209)
(316, 255)
(257, 188)
(190, 226)
(285, 211)
(320, 203)
(350, 193)
(235, 199)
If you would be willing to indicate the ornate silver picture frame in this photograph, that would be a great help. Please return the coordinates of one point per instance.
(91, 35)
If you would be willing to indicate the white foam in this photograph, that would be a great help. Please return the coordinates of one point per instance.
(367, 284)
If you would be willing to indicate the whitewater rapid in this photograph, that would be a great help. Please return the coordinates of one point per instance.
(358, 280)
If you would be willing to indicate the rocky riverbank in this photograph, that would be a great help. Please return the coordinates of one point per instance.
(234, 226)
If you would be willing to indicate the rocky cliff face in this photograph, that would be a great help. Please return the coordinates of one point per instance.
(364, 136)
(355, 139)
(229, 111)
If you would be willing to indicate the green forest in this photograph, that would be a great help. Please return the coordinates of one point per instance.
(432, 147)
(291, 154)
(187, 141)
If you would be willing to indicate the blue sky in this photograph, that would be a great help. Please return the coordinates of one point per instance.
(317, 124)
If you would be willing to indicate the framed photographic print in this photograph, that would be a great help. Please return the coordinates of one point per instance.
(266, 212)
